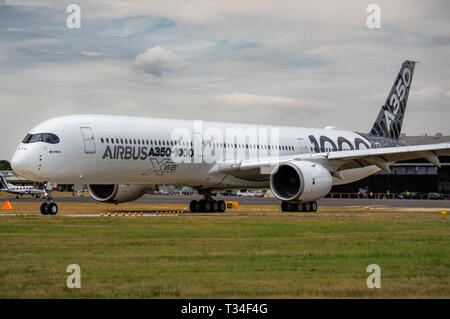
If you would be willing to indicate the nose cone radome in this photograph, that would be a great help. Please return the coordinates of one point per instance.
(20, 164)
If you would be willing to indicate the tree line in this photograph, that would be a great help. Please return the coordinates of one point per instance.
(5, 166)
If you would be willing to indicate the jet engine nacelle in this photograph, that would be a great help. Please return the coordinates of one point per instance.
(116, 193)
(300, 181)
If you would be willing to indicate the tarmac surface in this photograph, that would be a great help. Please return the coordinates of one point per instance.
(179, 199)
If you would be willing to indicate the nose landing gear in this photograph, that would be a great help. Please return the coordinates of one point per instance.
(49, 207)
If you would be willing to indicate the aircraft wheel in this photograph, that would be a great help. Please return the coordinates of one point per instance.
(284, 207)
(301, 207)
(207, 206)
(222, 206)
(193, 206)
(214, 206)
(44, 209)
(201, 206)
(307, 207)
(292, 207)
(314, 206)
(52, 209)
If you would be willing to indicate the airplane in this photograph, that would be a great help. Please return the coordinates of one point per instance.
(119, 157)
(19, 190)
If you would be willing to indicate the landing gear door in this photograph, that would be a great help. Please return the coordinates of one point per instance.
(88, 138)
(302, 145)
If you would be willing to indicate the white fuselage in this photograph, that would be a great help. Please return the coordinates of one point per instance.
(100, 149)
(19, 189)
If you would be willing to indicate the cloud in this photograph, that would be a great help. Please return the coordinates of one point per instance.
(137, 25)
(37, 42)
(159, 61)
(91, 53)
(431, 98)
(246, 99)
(310, 64)
(250, 99)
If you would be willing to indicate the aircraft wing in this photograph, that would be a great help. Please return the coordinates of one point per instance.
(384, 156)
(259, 169)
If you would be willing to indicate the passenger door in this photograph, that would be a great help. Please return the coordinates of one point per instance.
(88, 138)
(302, 145)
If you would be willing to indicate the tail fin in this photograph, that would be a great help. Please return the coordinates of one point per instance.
(4, 183)
(390, 119)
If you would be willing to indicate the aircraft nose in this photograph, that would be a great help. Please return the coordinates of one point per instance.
(19, 163)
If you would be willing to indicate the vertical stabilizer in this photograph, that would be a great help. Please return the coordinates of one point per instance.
(4, 183)
(390, 119)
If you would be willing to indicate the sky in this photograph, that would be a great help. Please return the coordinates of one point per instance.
(297, 63)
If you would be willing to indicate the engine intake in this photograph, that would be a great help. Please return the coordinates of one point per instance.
(300, 181)
(116, 193)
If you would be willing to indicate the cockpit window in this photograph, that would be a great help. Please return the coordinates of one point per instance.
(41, 137)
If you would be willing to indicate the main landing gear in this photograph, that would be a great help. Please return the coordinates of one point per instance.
(208, 204)
(299, 207)
(49, 207)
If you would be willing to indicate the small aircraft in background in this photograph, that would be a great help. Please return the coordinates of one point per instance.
(20, 190)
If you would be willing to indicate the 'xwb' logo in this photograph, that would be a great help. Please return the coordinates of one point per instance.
(160, 167)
